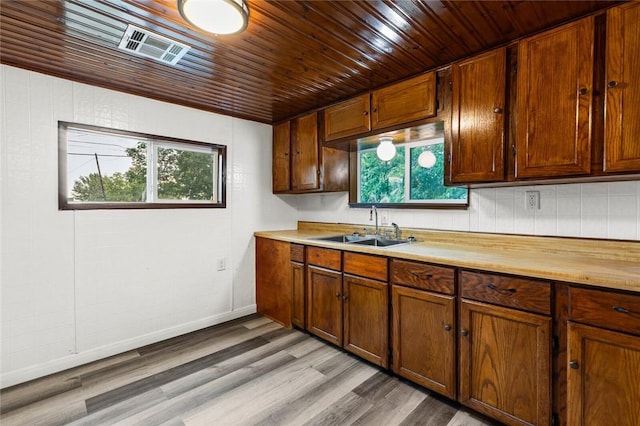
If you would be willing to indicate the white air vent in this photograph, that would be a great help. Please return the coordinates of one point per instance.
(144, 43)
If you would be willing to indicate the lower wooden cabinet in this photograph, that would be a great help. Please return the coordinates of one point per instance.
(273, 280)
(324, 303)
(366, 319)
(603, 377)
(297, 295)
(505, 363)
(424, 338)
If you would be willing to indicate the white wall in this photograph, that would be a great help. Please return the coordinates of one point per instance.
(80, 285)
(589, 210)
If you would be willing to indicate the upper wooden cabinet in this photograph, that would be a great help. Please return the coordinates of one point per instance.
(478, 87)
(281, 157)
(407, 101)
(403, 102)
(348, 118)
(622, 105)
(305, 160)
(555, 76)
(300, 162)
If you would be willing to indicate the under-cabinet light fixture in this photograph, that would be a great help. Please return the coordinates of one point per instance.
(220, 17)
(386, 150)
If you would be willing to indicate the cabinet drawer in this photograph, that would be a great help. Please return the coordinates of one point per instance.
(373, 267)
(421, 275)
(297, 253)
(520, 293)
(616, 311)
(325, 258)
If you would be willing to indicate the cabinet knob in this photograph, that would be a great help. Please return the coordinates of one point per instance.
(574, 365)
(464, 332)
(345, 297)
(366, 113)
(497, 110)
(374, 109)
(612, 83)
(447, 327)
(621, 309)
(584, 91)
(338, 295)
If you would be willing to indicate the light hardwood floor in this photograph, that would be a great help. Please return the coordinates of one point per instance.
(249, 371)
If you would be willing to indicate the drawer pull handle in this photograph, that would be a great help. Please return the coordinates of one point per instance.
(447, 327)
(424, 276)
(574, 365)
(621, 309)
(507, 291)
(464, 332)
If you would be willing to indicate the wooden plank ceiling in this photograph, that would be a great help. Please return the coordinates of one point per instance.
(295, 56)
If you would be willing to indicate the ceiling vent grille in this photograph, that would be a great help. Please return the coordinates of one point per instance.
(144, 43)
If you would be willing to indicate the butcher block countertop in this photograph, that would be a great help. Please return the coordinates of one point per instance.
(601, 263)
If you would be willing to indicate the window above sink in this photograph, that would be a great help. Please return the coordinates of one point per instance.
(412, 178)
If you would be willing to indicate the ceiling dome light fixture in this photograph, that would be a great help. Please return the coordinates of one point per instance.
(427, 159)
(220, 17)
(386, 150)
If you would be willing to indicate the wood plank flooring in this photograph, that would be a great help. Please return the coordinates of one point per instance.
(249, 371)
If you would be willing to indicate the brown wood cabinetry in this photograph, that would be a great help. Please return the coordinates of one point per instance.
(478, 87)
(505, 353)
(410, 100)
(403, 102)
(298, 292)
(366, 318)
(555, 90)
(603, 370)
(300, 162)
(305, 160)
(348, 118)
(273, 280)
(423, 324)
(603, 377)
(281, 157)
(622, 105)
(324, 303)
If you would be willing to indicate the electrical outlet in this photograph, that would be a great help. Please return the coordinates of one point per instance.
(385, 218)
(532, 200)
(221, 263)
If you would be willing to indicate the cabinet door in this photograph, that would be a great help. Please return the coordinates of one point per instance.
(298, 294)
(504, 363)
(273, 280)
(281, 164)
(403, 102)
(324, 304)
(305, 153)
(622, 112)
(555, 75)
(366, 319)
(347, 118)
(603, 377)
(477, 133)
(423, 330)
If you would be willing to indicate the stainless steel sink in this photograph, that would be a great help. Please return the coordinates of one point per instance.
(348, 238)
(369, 240)
(380, 242)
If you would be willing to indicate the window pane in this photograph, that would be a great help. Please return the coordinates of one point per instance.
(116, 169)
(427, 183)
(185, 174)
(105, 168)
(381, 181)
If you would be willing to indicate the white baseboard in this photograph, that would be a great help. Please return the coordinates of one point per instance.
(74, 360)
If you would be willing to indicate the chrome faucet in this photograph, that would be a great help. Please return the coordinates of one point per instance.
(396, 229)
(371, 213)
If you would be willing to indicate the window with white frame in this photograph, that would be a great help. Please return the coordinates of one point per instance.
(106, 168)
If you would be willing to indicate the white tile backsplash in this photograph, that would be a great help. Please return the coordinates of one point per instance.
(589, 210)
